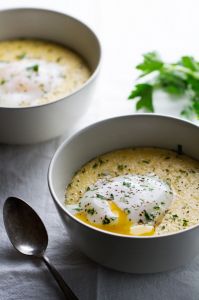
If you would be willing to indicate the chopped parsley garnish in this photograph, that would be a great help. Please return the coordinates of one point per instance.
(111, 196)
(182, 171)
(149, 217)
(91, 211)
(101, 197)
(128, 184)
(127, 211)
(95, 165)
(120, 167)
(21, 56)
(146, 161)
(78, 209)
(106, 221)
(2, 81)
(88, 189)
(185, 222)
(156, 207)
(102, 174)
(34, 68)
(58, 59)
(174, 217)
(101, 161)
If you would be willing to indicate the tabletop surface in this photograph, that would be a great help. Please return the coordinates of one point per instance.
(126, 29)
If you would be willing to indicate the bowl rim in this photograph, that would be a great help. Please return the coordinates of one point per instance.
(78, 133)
(83, 24)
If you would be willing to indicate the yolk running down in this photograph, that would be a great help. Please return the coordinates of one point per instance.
(123, 226)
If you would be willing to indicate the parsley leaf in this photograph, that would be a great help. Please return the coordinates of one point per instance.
(173, 82)
(189, 62)
(196, 107)
(143, 92)
(180, 78)
(152, 62)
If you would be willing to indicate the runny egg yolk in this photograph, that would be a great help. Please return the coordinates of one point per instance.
(129, 205)
(123, 225)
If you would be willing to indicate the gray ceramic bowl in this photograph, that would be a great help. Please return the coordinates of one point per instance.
(40, 123)
(129, 254)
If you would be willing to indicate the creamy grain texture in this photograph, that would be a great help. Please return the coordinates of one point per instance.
(179, 171)
(34, 72)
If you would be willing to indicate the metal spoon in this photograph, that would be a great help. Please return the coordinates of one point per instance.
(28, 235)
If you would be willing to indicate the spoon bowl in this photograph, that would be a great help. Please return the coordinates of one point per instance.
(28, 235)
(24, 227)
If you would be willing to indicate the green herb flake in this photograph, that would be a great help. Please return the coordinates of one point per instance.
(78, 209)
(127, 184)
(3, 81)
(91, 211)
(100, 196)
(58, 59)
(174, 217)
(156, 207)
(185, 222)
(101, 161)
(146, 161)
(182, 171)
(34, 68)
(127, 211)
(95, 166)
(120, 167)
(111, 196)
(21, 56)
(149, 217)
(106, 221)
(152, 62)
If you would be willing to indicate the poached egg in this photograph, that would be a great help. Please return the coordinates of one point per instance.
(25, 82)
(129, 204)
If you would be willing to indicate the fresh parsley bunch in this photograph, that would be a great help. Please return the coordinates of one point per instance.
(180, 78)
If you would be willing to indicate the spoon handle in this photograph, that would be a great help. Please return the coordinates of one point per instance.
(69, 295)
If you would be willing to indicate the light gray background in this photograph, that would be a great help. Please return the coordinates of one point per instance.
(127, 29)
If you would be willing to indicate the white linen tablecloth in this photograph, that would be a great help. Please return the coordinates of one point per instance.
(127, 29)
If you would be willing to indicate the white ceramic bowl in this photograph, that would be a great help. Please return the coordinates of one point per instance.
(40, 123)
(129, 254)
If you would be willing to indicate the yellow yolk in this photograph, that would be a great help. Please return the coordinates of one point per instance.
(123, 225)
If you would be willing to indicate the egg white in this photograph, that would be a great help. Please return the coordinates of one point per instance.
(144, 200)
(24, 82)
